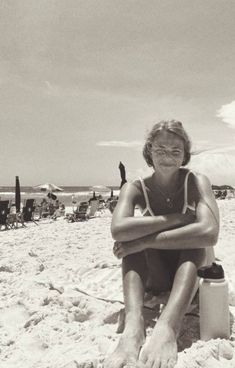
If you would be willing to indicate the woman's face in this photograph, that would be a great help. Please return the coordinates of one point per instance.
(167, 152)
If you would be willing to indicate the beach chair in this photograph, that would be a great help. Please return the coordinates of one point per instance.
(80, 214)
(36, 212)
(94, 206)
(28, 211)
(14, 217)
(4, 213)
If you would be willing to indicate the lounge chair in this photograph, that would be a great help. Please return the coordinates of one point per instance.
(94, 207)
(14, 217)
(28, 211)
(80, 214)
(4, 213)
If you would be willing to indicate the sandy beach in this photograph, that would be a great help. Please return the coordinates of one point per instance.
(61, 295)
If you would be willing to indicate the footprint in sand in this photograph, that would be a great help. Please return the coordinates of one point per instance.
(34, 320)
(80, 311)
(81, 315)
(6, 268)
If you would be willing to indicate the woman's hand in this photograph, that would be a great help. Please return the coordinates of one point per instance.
(123, 249)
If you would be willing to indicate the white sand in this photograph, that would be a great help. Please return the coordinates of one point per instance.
(46, 321)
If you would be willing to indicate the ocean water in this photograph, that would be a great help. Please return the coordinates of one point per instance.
(70, 194)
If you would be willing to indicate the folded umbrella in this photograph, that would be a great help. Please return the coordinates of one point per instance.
(17, 194)
(122, 173)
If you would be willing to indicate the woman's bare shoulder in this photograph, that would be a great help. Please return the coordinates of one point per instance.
(200, 185)
(131, 190)
(136, 183)
(146, 181)
(205, 195)
(200, 180)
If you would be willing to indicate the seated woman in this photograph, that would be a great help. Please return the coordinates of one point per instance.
(43, 208)
(162, 249)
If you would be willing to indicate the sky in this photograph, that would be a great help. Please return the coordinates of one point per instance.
(83, 81)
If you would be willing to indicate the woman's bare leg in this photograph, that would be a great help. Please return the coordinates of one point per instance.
(161, 350)
(135, 273)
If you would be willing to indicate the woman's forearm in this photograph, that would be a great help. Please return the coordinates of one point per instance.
(131, 228)
(191, 236)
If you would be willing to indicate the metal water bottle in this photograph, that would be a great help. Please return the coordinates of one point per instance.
(213, 303)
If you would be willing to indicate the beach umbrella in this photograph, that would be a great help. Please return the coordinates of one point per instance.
(17, 194)
(49, 187)
(122, 173)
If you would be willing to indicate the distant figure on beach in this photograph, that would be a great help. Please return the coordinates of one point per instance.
(59, 210)
(57, 204)
(43, 207)
(162, 249)
(224, 194)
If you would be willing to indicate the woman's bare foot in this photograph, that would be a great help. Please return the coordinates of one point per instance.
(128, 348)
(161, 349)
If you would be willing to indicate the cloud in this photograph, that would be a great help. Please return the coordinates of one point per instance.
(219, 166)
(213, 150)
(227, 114)
(201, 147)
(223, 150)
(215, 161)
(131, 144)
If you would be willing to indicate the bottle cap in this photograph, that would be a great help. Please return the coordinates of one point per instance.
(214, 271)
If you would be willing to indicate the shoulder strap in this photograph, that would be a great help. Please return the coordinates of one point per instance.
(186, 205)
(147, 208)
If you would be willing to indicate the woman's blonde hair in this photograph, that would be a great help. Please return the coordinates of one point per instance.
(172, 126)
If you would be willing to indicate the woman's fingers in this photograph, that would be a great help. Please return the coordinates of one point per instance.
(115, 247)
(118, 250)
(121, 250)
